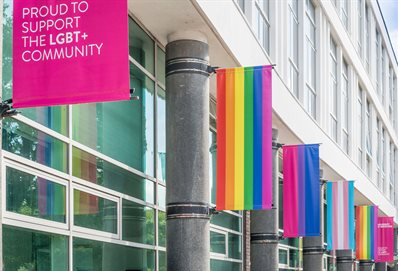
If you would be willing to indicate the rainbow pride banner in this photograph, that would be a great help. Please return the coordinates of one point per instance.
(244, 138)
(385, 232)
(366, 232)
(340, 215)
(301, 191)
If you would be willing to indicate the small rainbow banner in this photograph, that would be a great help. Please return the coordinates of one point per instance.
(301, 191)
(340, 215)
(366, 232)
(244, 138)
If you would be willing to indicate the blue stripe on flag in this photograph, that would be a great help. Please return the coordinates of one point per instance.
(257, 138)
(329, 208)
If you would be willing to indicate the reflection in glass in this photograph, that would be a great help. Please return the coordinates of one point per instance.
(218, 265)
(234, 246)
(141, 46)
(94, 212)
(162, 196)
(95, 170)
(31, 195)
(121, 130)
(217, 242)
(161, 66)
(89, 255)
(227, 221)
(162, 261)
(161, 134)
(162, 228)
(34, 145)
(138, 223)
(34, 251)
(283, 256)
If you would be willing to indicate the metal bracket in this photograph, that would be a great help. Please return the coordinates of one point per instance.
(132, 97)
(6, 109)
(323, 181)
(276, 145)
(365, 263)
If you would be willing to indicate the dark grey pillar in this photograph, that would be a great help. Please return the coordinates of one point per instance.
(187, 147)
(313, 253)
(381, 266)
(365, 266)
(344, 260)
(313, 248)
(264, 224)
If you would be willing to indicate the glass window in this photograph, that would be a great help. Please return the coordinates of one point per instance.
(283, 256)
(55, 118)
(293, 47)
(138, 223)
(261, 26)
(34, 145)
(217, 242)
(141, 46)
(227, 221)
(360, 130)
(94, 212)
(161, 134)
(360, 26)
(333, 89)
(90, 255)
(121, 130)
(234, 246)
(31, 195)
(344, 12)
(367, 37)
(345, 106)
(212, 165)
(161, 66)
(34, 251)
(162, 261)
(162, 228)
(95, 170)
(7, 50)
(310, 60)
(162, 196)
(217, 265)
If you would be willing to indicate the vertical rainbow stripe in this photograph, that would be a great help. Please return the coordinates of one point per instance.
(244, 138)
(366, 232)
(340, 215)
(301, 191)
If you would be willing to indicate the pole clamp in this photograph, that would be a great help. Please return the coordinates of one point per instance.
(276, 145)
(316, 250)
(344, 259)
(181, 210)
(365, 263)
(188, 65)
(264, 238)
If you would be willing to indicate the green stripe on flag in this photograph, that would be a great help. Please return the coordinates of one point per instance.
(248, 152)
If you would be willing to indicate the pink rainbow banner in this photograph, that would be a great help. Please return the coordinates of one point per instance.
(67, 52)
(385, 232)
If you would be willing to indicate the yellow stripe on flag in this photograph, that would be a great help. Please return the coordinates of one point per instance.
(239, 137)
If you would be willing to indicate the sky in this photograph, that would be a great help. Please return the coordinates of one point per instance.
(389, 9)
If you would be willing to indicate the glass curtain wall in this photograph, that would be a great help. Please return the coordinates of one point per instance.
(85, 185)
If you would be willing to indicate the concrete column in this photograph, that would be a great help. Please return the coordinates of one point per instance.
(264, 224)
(187, 147)
(365, 266)
(344, 260)
(313, 248)
(313, 253)
(381, 266)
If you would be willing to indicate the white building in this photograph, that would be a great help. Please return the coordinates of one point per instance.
(335, 83)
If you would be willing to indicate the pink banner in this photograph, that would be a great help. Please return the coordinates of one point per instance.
(70, 51)
(385, 231)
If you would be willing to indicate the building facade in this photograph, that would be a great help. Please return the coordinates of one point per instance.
(83, 186)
